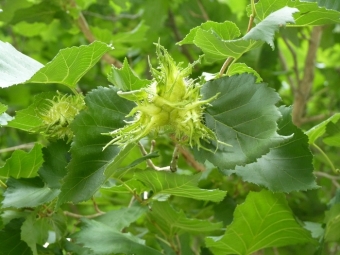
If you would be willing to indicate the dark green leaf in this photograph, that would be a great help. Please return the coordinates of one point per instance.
(244, 115)
(328, 4)
(161, 182)
(15, 67)
(11, 243)
(172, 222)
(70, 64)
(287, 167)
(103, 239)
(27, 193)
(263, 220)
(105, 112)
(23, 164)
(125, 79)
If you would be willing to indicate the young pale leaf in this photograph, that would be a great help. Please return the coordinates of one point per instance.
(263, 220)
(15, 67)
(70, 64)
(240, 68)
(310, 13)
(287, 167)
(179, 185)
(174, 223)
(4, 117)
(23, 164)
(265, 30)
(319, 130)
(244, 116)
(27, 193)
(105, 112)
(103, 240)
(11, 243)
(56, 158)
(125, 79)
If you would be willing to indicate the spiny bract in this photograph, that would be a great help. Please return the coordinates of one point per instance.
(58, 115)
(170, 104)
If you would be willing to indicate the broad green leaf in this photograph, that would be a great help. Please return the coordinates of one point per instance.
(319, 130)
(70, 64)
(34, 231)
(105, 112)
(266, 29)
(161, 182)
(332, 221)
(15, 67)
(3, 108)
(125, 79)
(328, 4)
(287, 167)
(28, 119)
(240, 68)
(126, 187)
(11, 243)
(27, 193)
(263, 220)
(173, 222)
(56, 158)
(244, 115)
(310, 13)
(23, 164)
(333, 134)
(103, 240)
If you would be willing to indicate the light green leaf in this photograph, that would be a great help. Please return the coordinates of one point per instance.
(70, 64)
(11, 243)
(333, 134)
(263, 220)
(244, 115)
(332, 221)
(4, 117)
(103, 240)
(27, 193)
(23, 164)
(174, 222)
(240, 68)
(125, 79)
(3, 108)
(310, 13)
(161, 182)
(319, 130)
(105, 112)
(287, 167)
(15, 67)
(265, 30)
(328, 4)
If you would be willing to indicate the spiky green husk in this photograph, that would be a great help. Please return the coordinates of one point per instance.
(170, 104)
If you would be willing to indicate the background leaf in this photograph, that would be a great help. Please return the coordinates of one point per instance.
(161, 182)
(263, 220)
(240, 68)
(287, 167)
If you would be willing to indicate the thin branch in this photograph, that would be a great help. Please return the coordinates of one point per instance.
(315, 118)
(18, 147)
(295, 61)
(302, 93)
(189, 158)
(95, 205)
(286, 69)
(149, 161)
(225, 65)
(204, 13)
(2, 184)
(333, 178)
(326, 157)
(174, 159)
(79, 216)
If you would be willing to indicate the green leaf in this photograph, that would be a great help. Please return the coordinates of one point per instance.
(287, 167)
(333, 134)
(3, 108)
(319, 130)
(240, 68)
(310, 13)
(15, 67)
(332, 221)
(23, 164)
(263, 220)
(161, 182)
(56, 158)
(27, 193)
(125, 79)
(105, 112)
(103, 239)
(244, 115)
(70, 64)
(328, 4)
(11, 243)
(265, 30)
(163, 216)
(4, 117)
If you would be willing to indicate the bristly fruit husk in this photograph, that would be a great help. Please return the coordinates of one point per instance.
(170, 104)
(58, 115)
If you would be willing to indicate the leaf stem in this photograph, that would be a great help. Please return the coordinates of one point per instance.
(326, 157)
(225, 65)
(79, 216)
(21, 146)
(2, 184)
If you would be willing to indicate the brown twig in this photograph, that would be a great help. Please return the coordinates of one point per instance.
(302, 93)
(204, 13)
(225, 65)
(295, 62)
(79, 216)
(95, 205)
(18, 147)
(333, 178)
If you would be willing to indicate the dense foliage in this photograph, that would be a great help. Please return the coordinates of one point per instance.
(169, 127)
